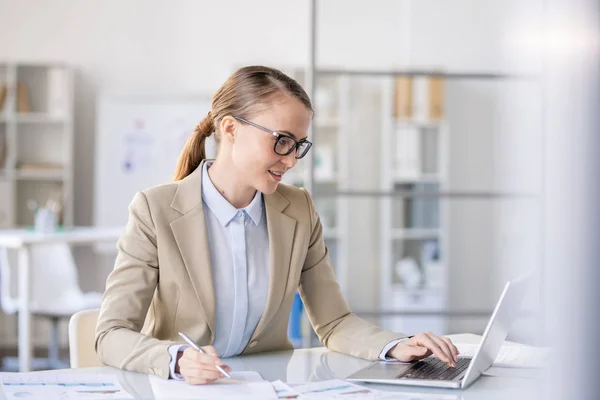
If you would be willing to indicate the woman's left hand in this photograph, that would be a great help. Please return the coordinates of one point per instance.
(423, 345)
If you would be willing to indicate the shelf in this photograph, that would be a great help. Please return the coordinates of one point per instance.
(416, 73)
(423, 178)
(415, 233)
(422, 194)
(41, 174)
(38, 118)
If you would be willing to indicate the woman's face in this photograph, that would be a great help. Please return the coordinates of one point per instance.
(252, 150)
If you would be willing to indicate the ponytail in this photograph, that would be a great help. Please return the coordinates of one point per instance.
(245, 92)
(194, 150)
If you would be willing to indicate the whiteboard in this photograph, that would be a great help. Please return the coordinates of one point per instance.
(138, 141)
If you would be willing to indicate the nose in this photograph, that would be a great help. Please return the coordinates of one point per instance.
(290, 160)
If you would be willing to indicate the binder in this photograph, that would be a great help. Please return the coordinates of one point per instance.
(436, 98)
(403, 97)
(3, 93)
(23, 105)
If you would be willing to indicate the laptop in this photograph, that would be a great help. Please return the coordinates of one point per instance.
(432, 372)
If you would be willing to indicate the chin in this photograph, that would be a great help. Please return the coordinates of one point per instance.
(268, 188)
(265, 184)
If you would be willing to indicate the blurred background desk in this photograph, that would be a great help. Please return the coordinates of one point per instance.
(23, 240)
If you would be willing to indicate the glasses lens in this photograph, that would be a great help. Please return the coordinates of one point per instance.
(303, 149)
(284, 145)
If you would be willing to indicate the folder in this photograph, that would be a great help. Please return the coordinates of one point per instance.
(436, 98)
(3, 91)
(403, 97)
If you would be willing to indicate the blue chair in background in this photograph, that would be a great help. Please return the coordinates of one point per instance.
(295, 323)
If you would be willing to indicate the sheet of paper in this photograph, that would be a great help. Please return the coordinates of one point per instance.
(283, 391)
(385, 395)
(342, 390)
(512, 356)
(329, 389)
(243, 384)
(50, 386)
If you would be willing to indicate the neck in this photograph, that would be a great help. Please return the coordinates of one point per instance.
(229, 185)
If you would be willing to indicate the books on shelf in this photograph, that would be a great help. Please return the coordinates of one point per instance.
(39, 166)
(39, 170)
(2, 150)
(436, 98)
(419, 98)
(403, 93)
(23, 103)
(3, 94)
(428, 98)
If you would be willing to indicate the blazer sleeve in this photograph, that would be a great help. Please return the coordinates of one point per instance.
(129, 291)
(336, 326)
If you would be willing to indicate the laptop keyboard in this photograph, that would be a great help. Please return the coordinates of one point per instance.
(435, 369)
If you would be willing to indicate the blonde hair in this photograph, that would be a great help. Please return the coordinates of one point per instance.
(241, 94)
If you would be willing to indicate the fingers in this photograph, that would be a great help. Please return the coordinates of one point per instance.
(198, 368)
(437, 346)
(453, 348)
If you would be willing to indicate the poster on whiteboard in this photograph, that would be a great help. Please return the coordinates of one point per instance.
(138, 142)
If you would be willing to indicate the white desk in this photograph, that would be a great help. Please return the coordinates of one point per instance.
(317, 364)
(21, 240)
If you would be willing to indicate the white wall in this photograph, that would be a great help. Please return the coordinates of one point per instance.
(191, 46)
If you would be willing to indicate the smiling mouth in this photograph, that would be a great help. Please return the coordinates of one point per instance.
(276, 175)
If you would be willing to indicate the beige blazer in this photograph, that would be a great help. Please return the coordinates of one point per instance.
(162, 281)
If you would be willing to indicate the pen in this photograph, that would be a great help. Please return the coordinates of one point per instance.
(195, 346)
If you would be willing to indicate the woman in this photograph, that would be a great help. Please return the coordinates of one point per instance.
(219, 253)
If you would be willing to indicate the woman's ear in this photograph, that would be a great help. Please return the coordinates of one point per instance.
(228, 128)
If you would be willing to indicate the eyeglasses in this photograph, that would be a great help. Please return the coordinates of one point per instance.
(284, 144)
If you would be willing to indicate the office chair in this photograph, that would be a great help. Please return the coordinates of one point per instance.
(82, 338)
(55, 293)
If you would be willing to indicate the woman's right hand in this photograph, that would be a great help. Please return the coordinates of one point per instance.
(198, 368)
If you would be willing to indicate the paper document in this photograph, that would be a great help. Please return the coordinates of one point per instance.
(51, 386)
(512, 356)
(329, 389)
(283, 391)
(342, 390)
(242, 385)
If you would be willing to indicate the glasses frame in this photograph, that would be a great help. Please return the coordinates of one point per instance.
(278, 135)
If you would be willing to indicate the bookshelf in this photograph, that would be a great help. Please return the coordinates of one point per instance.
(327, 167)
(36, 140)
(413, 229)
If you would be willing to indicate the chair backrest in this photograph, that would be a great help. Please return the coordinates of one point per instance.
(53, 274)
(8, 302)
(82, 332)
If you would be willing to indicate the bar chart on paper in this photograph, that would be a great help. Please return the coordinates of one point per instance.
(49, 386)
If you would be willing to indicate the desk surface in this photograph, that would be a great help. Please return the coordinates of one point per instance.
(318, 364)
(15, 238)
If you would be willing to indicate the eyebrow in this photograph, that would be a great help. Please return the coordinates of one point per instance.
(287, 133)
(292, 135)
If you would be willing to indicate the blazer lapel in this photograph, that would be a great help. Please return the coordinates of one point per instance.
(191, 237)
(281, 239)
